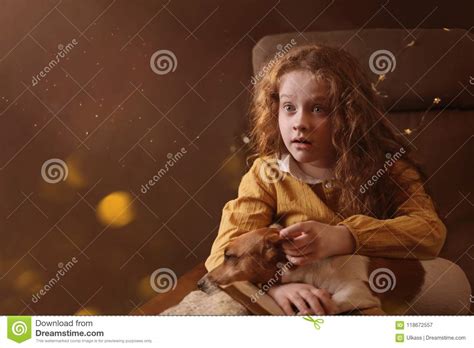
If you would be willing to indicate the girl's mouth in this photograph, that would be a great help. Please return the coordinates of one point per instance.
(301, 143)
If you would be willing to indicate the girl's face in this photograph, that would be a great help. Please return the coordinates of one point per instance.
(303, 118)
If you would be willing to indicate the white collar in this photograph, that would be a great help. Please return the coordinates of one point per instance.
(287, 164)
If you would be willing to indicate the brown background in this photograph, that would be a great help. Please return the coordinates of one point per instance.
(114, 121)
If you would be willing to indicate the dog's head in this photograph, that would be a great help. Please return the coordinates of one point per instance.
(254, 256)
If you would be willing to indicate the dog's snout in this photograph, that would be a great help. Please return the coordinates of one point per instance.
(207, 284)
(201, 284)
(204, 283)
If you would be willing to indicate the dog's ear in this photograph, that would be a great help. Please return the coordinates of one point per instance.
(272, 250)
(272, 239)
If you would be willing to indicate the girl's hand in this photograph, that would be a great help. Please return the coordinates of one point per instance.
(312, 240)
(306, 298)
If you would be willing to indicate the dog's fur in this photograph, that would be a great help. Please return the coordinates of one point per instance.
(257, 257)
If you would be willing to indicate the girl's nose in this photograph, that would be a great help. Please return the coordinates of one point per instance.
(299, 127)
(301, 122)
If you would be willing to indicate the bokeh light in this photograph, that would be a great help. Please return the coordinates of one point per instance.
(116, 209)
(88, 311)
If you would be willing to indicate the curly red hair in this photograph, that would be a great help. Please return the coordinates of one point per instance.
(362, 135)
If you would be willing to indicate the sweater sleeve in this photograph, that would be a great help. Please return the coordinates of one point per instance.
(253, 208)
(416, 231)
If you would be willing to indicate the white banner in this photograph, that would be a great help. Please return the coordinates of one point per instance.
(238, 332)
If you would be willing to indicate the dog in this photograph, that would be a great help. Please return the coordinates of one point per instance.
(379, 285)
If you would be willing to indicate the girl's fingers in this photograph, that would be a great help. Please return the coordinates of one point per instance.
(321, 293)
(314, 302)
(286, 306)
(328, 304)
(294, 253)
(293, 230)
(299, 261)
(299, 242)
(297, 252)
(298, 301)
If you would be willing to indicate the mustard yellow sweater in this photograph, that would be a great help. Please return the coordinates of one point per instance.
(415, 232)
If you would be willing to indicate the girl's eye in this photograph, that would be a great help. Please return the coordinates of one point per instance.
(317, 109)
(288, 107)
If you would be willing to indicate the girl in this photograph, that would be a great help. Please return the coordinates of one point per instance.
(332, 170)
